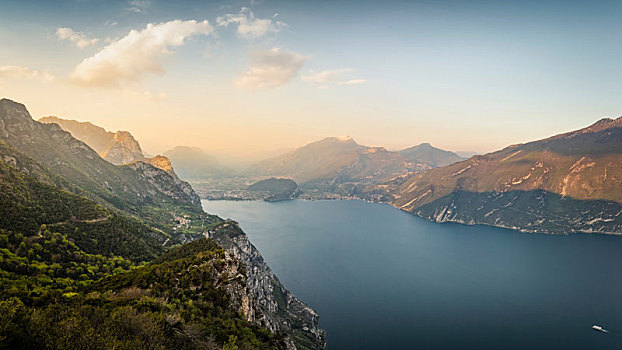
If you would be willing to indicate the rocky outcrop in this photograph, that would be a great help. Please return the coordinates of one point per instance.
(154, 195)
(123, 187)
(116, 147)
(274, 307)
(123, 149)
(164, 182)
(162, 162)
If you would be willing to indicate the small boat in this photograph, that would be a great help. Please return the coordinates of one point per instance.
(599, 328)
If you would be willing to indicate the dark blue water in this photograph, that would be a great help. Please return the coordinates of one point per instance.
(381, 278)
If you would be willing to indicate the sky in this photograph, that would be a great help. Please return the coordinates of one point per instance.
(249, 79)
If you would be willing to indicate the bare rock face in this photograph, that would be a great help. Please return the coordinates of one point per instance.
(274, 307)
(116, 147)
(123, 149)
(82, 166)
(162, 162)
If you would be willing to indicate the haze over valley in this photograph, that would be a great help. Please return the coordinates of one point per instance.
(310, 175)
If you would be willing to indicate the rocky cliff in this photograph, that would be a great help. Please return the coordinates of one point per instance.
(165, 210)
(135, 189)
(275, 307)
(118, 147)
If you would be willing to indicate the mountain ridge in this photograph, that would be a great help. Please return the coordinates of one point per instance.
(119, 147)
(152, 201)
(426, 153)
(565, 172)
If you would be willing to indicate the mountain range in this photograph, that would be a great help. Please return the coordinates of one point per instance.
(118, 147)
(570, 182)
(432, 156)
(342, 166)
(99, 245)
(565, 183)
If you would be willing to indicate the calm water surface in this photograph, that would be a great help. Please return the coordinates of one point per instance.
(381, 278)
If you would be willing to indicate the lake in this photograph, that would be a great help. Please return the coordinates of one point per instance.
(381, 278)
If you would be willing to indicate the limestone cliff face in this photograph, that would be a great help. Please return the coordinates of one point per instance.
(123, 149)
(119, 148)
(116, 147)
(82, 167)
(273, 306)
(162, 162)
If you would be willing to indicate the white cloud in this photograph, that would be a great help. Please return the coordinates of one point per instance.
(326, 76)
(353, 82)
(20, 72)
(270, 69)
(80, 39)
(250, 27)
(136, 54)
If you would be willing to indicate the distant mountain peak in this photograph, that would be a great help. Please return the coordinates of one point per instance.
(337, 139)
(118, 147)
(605, 123)
(20, 111)
(428, 154)
(6, 101)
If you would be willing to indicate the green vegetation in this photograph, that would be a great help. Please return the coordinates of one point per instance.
(83, 253)
(26, 204)
(58, 297)
(73, 275)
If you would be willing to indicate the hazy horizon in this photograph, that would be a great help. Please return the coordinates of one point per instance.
(252, 79)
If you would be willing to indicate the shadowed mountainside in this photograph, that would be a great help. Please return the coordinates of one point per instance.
(574, 177)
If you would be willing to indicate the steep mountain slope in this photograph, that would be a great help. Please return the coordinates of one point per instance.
(193, 163)
(338, 165)
(54, 295)
(434, 157)
(26, 204)
(278, 309)
(565, 183)
(138, 188)
(52, 180)
(116, 147)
